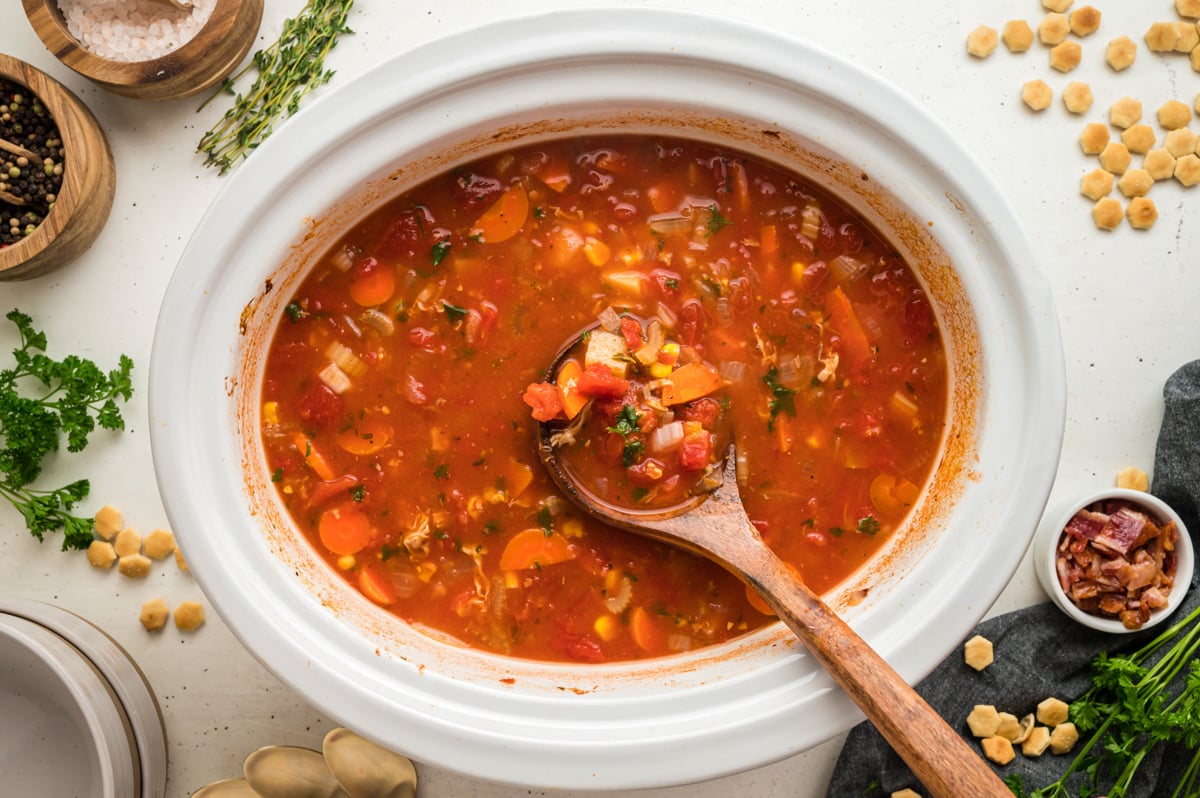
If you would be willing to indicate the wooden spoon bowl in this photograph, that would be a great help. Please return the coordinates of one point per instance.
(88, 183)
(715, 525)
(198, 65)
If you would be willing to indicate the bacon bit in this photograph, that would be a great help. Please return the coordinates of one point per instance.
(1115, 561)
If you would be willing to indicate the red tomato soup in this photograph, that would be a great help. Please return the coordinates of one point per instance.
(396, 432)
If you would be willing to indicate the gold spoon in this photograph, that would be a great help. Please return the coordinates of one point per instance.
(716, 526)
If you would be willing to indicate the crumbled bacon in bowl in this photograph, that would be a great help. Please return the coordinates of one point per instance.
(1114, 560)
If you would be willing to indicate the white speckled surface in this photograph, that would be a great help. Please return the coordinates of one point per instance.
(1126, 302)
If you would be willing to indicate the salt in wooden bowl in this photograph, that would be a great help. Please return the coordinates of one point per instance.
(197, 65)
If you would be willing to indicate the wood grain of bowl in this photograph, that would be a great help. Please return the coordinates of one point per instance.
(88, 182)
(197, 65)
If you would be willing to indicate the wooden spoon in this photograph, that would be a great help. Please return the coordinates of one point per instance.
(716, 526)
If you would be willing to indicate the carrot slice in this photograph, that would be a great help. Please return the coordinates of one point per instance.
(367, 436)
(312, 458)
(533, 548)
(768, 244)
(845, 321)
(373, 283)
(647, 632)
(506, 216)
(344, 530)
(690, 382)
(756, 601)
(373, 586)
(517, 476)
(569, 395)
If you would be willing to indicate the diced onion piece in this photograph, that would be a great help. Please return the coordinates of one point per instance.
(378, 320)
(343, 259)
(666, 437)
(667, 316)
(679, 642)
(846, 269)
(672, 223)
(741, 463)
(609, 320)
(732, 370)
(345, 359)
(608, 349)
(334, 378)
(788, 375)
(902, 405)
(724, 311)
(629, 282)
(810, 222)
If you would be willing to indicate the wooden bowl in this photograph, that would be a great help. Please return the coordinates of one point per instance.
(199, 64)
(88, 182)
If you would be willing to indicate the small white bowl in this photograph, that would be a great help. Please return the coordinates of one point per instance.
(55, 707)
(1046, 543)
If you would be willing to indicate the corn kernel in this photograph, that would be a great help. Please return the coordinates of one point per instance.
(660, 371)
(512, 580)
(572, 528)
(425, 571)
(346, 562)
(271, 412)
(607, 627)
(597, 252)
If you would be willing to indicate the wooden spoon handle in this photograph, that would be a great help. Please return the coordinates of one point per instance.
(939, 756)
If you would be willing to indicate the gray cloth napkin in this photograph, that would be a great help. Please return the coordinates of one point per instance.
(1040, 652)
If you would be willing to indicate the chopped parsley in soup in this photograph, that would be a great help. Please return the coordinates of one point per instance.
(721, 296)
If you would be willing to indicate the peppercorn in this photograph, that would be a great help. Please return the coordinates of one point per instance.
(28, 186)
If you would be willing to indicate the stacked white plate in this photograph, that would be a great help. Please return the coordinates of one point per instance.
(77, 716)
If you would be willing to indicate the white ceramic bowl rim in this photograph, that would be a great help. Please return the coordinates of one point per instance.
(1050, 533)
(592, 728)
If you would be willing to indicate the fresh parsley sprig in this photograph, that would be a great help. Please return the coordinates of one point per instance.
(1137, 701)
(70, 397)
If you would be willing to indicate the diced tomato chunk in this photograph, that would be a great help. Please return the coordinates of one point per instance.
(400, 238)
(578, 647)
(706, 411)
(695, 452)
(599, 381)
(691, 322)
(544, 399)
(632, 330)
(319, 406)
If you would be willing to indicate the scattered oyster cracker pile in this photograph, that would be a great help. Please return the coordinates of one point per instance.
(1176, 156)
(134, 556)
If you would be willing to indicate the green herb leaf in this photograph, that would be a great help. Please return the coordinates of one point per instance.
(442, 472)
(545, 519)
(782, 397)
(439, 252)
(715, 220)
(41, 400)
(277, 475)
(294, 311)
(453, 312)
(869, 525)
(358, 492)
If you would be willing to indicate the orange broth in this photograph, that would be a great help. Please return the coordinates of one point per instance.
(393, 420)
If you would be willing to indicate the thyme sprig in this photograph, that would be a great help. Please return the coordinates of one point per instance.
(288, 70)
